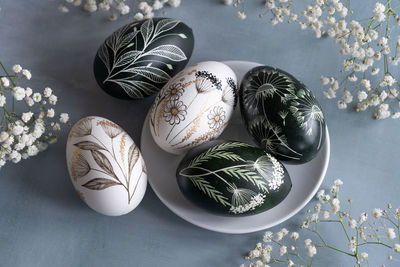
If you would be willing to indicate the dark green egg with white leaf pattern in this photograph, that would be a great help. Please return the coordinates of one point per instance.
(232, 178)
(139, 58)
(281, 114)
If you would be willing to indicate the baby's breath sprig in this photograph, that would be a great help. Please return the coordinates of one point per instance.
(25, 129)
(116, 8)
(371, 47)
(360, 231)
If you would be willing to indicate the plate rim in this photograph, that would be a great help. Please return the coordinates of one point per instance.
(245, 230)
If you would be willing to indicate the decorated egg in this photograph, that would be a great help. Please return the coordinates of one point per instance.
(193, 107)
(281, 114)
(232, 178)
(106, 167)
(139, 58)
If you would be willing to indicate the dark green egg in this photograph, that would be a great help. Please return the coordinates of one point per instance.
(281, 114)
(232, 178)
(138, 59)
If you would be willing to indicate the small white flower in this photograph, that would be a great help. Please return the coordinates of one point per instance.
(5, 82)
(18, 93)
(396, 248)
(26, 116)
(307, 242)
(47, 92)
(377, 213)
(278, 236)
(363, 218)
(341, 104)
(50, 113)
(284, 231)
(37, 97)
(362, 95)
(311, 251)
(2, 101)
(174, 3)
(391, 233)
(294, 236)
(241, 15)
(352, 223)
(53, 99)
(64, 117)
(282, 250)
(27, 74)
(138, 16)
(364, 256)
(324, 80)
(268, 236)
(17, 68)
(325, 214)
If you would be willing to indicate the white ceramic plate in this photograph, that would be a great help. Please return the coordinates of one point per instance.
(161, 166)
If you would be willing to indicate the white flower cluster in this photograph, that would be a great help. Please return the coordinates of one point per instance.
(371, 47)
(286, 245)
(120, 7)
(25, 134)
(255, 201)
(360, 231)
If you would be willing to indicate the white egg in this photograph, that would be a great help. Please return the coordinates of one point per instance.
(105, 166)
(193, 107)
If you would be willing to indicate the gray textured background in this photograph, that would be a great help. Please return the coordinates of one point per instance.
(44, 223)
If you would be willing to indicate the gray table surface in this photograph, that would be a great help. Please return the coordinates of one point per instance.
(44, 223)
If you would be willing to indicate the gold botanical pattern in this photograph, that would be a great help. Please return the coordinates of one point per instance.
(122, 144)
(216, 117)
(110, 128)
(82, 128)
(107, 170)
(177, 99)
(175, 112)
(79, 165)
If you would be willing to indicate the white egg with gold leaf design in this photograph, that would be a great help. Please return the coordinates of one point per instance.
(106, 167)
(193, 107)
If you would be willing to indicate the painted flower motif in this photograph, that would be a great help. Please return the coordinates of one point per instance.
(175, 112)
(244, 200)
(271, 170)
(175, 91)
(306, 110)
(83, 128)
(229, 95)
(264, 84)
(216, 117)
(206, 81)
(110, 128)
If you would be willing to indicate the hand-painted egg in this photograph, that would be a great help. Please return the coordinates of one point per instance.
(139, 58)
(193, 107)
(232, 178)
(106, 167)
(281, 114)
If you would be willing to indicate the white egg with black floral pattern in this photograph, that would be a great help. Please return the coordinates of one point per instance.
(106, 168)
(193, 107)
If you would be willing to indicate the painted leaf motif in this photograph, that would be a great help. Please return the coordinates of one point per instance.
(104, 56)
(89, 145)
(209, 190)
(146, 30)
(136, 89)
(100, 184)
(171, 52)
(79, 167)
(103, 162)
(133, 156)
(110, 128)
(153, 74)
(165, 25)
(127, 58)
(126, 39)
